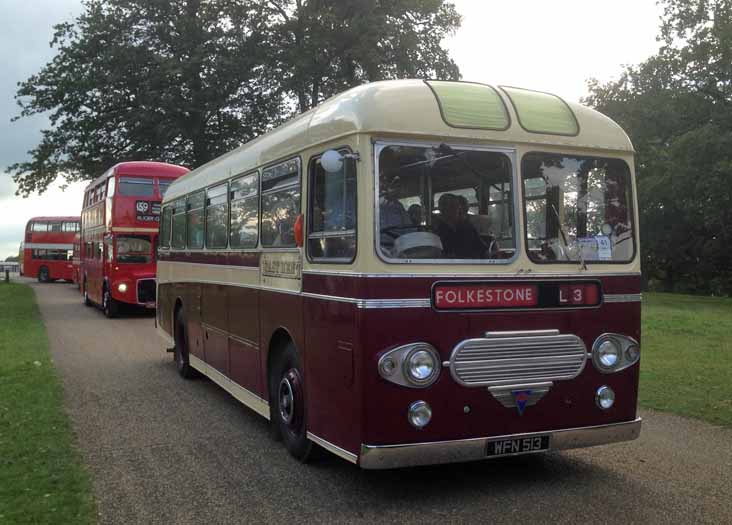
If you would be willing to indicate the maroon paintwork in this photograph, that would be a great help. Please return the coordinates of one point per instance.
(62, 269)
(348, 403)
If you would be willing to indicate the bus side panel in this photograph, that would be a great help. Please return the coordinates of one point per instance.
(334, 408)
(280, 310)
(191, 294)
(215, 326)
(244, 351)
(165, 308)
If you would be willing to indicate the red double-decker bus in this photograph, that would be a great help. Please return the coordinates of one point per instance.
(47, 251)
(119, 230)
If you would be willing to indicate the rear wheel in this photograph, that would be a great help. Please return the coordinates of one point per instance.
(180, 352)
(287, 399)
(43, 275)
(110, 306)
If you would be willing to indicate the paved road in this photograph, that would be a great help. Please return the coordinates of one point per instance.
(163, 450)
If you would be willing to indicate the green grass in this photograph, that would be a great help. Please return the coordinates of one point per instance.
(686, 356)
(41, 476)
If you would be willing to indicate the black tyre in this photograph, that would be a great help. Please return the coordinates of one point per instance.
(180, 352)
(85, 293)
(43, 275)
(110, 307)
(287, 404)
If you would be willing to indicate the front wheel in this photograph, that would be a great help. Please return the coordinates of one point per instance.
(85, 291)
(109, 304)
(43, 275)
(287, 399)
(180, 352)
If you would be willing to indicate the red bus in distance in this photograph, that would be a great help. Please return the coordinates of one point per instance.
(46, 252)
(119, 231)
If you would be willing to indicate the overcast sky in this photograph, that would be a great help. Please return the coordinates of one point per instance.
(539, 44)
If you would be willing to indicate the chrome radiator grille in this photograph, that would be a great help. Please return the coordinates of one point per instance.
(518, 358)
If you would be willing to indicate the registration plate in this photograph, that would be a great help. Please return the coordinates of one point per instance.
(511, 447)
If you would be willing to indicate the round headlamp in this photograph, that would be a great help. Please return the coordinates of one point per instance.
(122, 287)
(608, 354)
(605, 397)
(420, 366)
(419, 414)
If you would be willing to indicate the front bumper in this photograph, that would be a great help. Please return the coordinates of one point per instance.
(416, 454)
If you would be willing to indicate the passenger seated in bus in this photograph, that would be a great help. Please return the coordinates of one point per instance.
(459, 238)
(415, 214)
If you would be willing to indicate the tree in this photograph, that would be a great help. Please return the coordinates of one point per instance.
(677, 109)
(179, 81)
(327, 46)
(184, 81)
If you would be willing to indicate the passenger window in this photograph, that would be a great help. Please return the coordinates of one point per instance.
(332, 228)
(40, 226)
(280, 203)
(244, 211)
(179, 224)
(194, 220)
(165, 227)
(136, 187)
(217, 209)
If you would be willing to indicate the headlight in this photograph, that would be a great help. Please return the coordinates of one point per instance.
(614, 352)
(419, 414)
(122, 288)
(608, 354)
(605, 397)
(416, 365)
(420, 366)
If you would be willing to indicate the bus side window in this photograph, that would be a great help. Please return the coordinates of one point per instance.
(332, 227)
(217, 211)
(244, 226)
(280, 203)
(165, 227)
(194, 219)
(179, 224)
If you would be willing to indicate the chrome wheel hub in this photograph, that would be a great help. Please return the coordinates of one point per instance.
(286, 401)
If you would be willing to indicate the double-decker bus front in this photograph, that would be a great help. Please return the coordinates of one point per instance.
(46, 253)
(119, 238)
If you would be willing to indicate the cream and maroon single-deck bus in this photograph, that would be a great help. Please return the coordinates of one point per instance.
(415, 272)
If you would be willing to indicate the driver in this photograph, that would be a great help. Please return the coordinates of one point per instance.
(459, 238)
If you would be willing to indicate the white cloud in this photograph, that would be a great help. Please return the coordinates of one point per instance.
(552, 46)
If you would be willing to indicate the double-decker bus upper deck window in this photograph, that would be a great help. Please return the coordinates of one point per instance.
(71, 227)
(136, 187)
(577, 208)
(179, 224)
(217, 212)
(244, 193)
(280, 203)
(163, 185)
(194, 219)
(40, 226)
(332, 228)
(439, 204)
(165, 226)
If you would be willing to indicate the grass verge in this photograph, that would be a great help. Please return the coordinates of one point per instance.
(686, 360)
(41, 476)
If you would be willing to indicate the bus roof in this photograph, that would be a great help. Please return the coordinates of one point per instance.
(141, 168)
(410, 109)
(56, 219)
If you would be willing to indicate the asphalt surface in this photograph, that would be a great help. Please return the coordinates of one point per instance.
(164, 450)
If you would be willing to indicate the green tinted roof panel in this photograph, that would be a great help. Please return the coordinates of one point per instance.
(539, 112)
(466, 105)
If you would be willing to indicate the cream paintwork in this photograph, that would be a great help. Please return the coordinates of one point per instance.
(403, 111)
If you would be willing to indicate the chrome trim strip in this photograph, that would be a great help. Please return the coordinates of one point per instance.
(416, 454)
(623, 298)
(241, 394)
(335, 449)
(369, 304)
(504, 275)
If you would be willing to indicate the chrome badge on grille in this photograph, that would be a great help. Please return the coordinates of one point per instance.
(521, 398)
